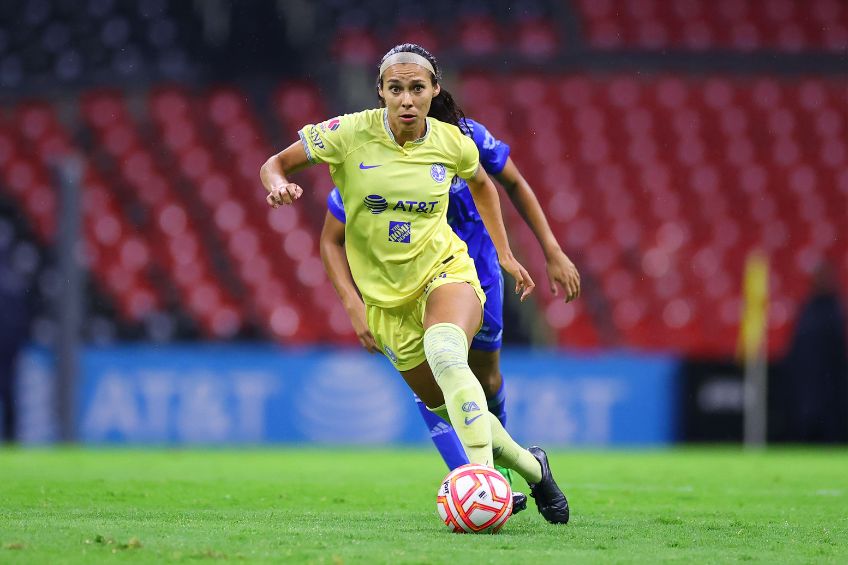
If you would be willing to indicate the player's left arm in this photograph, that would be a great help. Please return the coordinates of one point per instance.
(486, 199)
(560, 268)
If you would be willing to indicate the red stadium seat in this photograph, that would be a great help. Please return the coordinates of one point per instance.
(537, 38)
(419, 32)
(664, 184)
(355, 45)
(477, 35)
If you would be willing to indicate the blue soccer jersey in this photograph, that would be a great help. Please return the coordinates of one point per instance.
(466, 222)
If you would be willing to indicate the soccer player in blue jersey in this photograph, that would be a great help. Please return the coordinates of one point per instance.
(424, 303)
(463, 217)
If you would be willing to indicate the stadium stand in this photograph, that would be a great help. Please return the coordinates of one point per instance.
(67, 41)
(731, 25)
(658, 184)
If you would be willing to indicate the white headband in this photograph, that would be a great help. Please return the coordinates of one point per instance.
(406, 57)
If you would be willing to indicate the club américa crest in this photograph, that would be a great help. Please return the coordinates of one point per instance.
(438, 172)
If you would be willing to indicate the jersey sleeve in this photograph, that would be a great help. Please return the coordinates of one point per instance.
(327, 142)
(335, 205)
(493, 151)
(469, 158)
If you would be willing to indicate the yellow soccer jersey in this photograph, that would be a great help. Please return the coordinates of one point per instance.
(395, 198)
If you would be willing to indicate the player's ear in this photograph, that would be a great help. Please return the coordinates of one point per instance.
(437, 90)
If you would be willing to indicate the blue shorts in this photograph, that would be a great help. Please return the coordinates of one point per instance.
(482, 250)
(490, 336)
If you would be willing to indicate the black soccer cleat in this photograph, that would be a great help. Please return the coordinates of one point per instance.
(519, 502)
(550, 500)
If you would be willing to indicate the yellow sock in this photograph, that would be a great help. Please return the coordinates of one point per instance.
(446, 348)
(509, 454)
(505, 450)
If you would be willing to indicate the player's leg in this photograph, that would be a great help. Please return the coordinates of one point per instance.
(484, 361)
(486, 366)
(427, 392)
(449, 324)
(452, 315)
(398, 333)
(443, 436)
(484, 358)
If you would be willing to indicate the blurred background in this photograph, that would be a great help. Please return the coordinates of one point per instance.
(148, 294)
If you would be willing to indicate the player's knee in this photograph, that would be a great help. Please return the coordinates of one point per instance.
(489, 377)
(491, 383)
(486, 368)
(446, 347)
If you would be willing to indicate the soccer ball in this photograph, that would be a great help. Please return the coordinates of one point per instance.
(474, 499)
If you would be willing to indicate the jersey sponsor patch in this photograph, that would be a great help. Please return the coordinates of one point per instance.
(400, 232)
(334, 124)
(438, 172)
(376, 203)
(316, 137)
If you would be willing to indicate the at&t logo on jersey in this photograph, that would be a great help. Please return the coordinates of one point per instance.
(376, 203)
(415, 206)
(437, 171)
(400, 232)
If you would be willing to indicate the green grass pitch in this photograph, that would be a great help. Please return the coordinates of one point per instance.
(378, 506)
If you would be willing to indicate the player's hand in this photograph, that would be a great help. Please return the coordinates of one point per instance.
(562, 272)
(283, 194)
(360, 326)
(524, 285)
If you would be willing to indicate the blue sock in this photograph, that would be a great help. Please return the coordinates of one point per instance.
(497, 404)
(444, 438)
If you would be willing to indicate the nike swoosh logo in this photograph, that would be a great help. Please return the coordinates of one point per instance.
(363, 166)
(468, 421)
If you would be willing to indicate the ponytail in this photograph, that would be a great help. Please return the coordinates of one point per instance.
(445, 109)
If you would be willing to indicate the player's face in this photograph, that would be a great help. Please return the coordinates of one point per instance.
(408, 92)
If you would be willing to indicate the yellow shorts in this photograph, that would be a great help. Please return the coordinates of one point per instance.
(399, 331)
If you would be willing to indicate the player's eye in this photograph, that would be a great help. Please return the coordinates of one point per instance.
(419, 88)
(394, 89)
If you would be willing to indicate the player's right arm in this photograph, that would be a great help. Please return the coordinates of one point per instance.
(337, 268)
(319, 143)
(275, 171)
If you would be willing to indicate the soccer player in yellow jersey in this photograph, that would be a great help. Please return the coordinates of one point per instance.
(393, 167)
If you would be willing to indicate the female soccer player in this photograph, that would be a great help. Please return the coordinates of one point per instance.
(484, 356)
(393, 167)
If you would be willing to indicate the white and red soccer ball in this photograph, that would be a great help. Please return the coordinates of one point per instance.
(474, 499)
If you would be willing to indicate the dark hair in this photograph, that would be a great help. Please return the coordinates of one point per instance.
(443, 108)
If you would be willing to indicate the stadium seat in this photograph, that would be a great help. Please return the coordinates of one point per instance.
(788, 26)
(663, 186)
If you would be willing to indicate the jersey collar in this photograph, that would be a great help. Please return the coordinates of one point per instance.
(392, 136)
